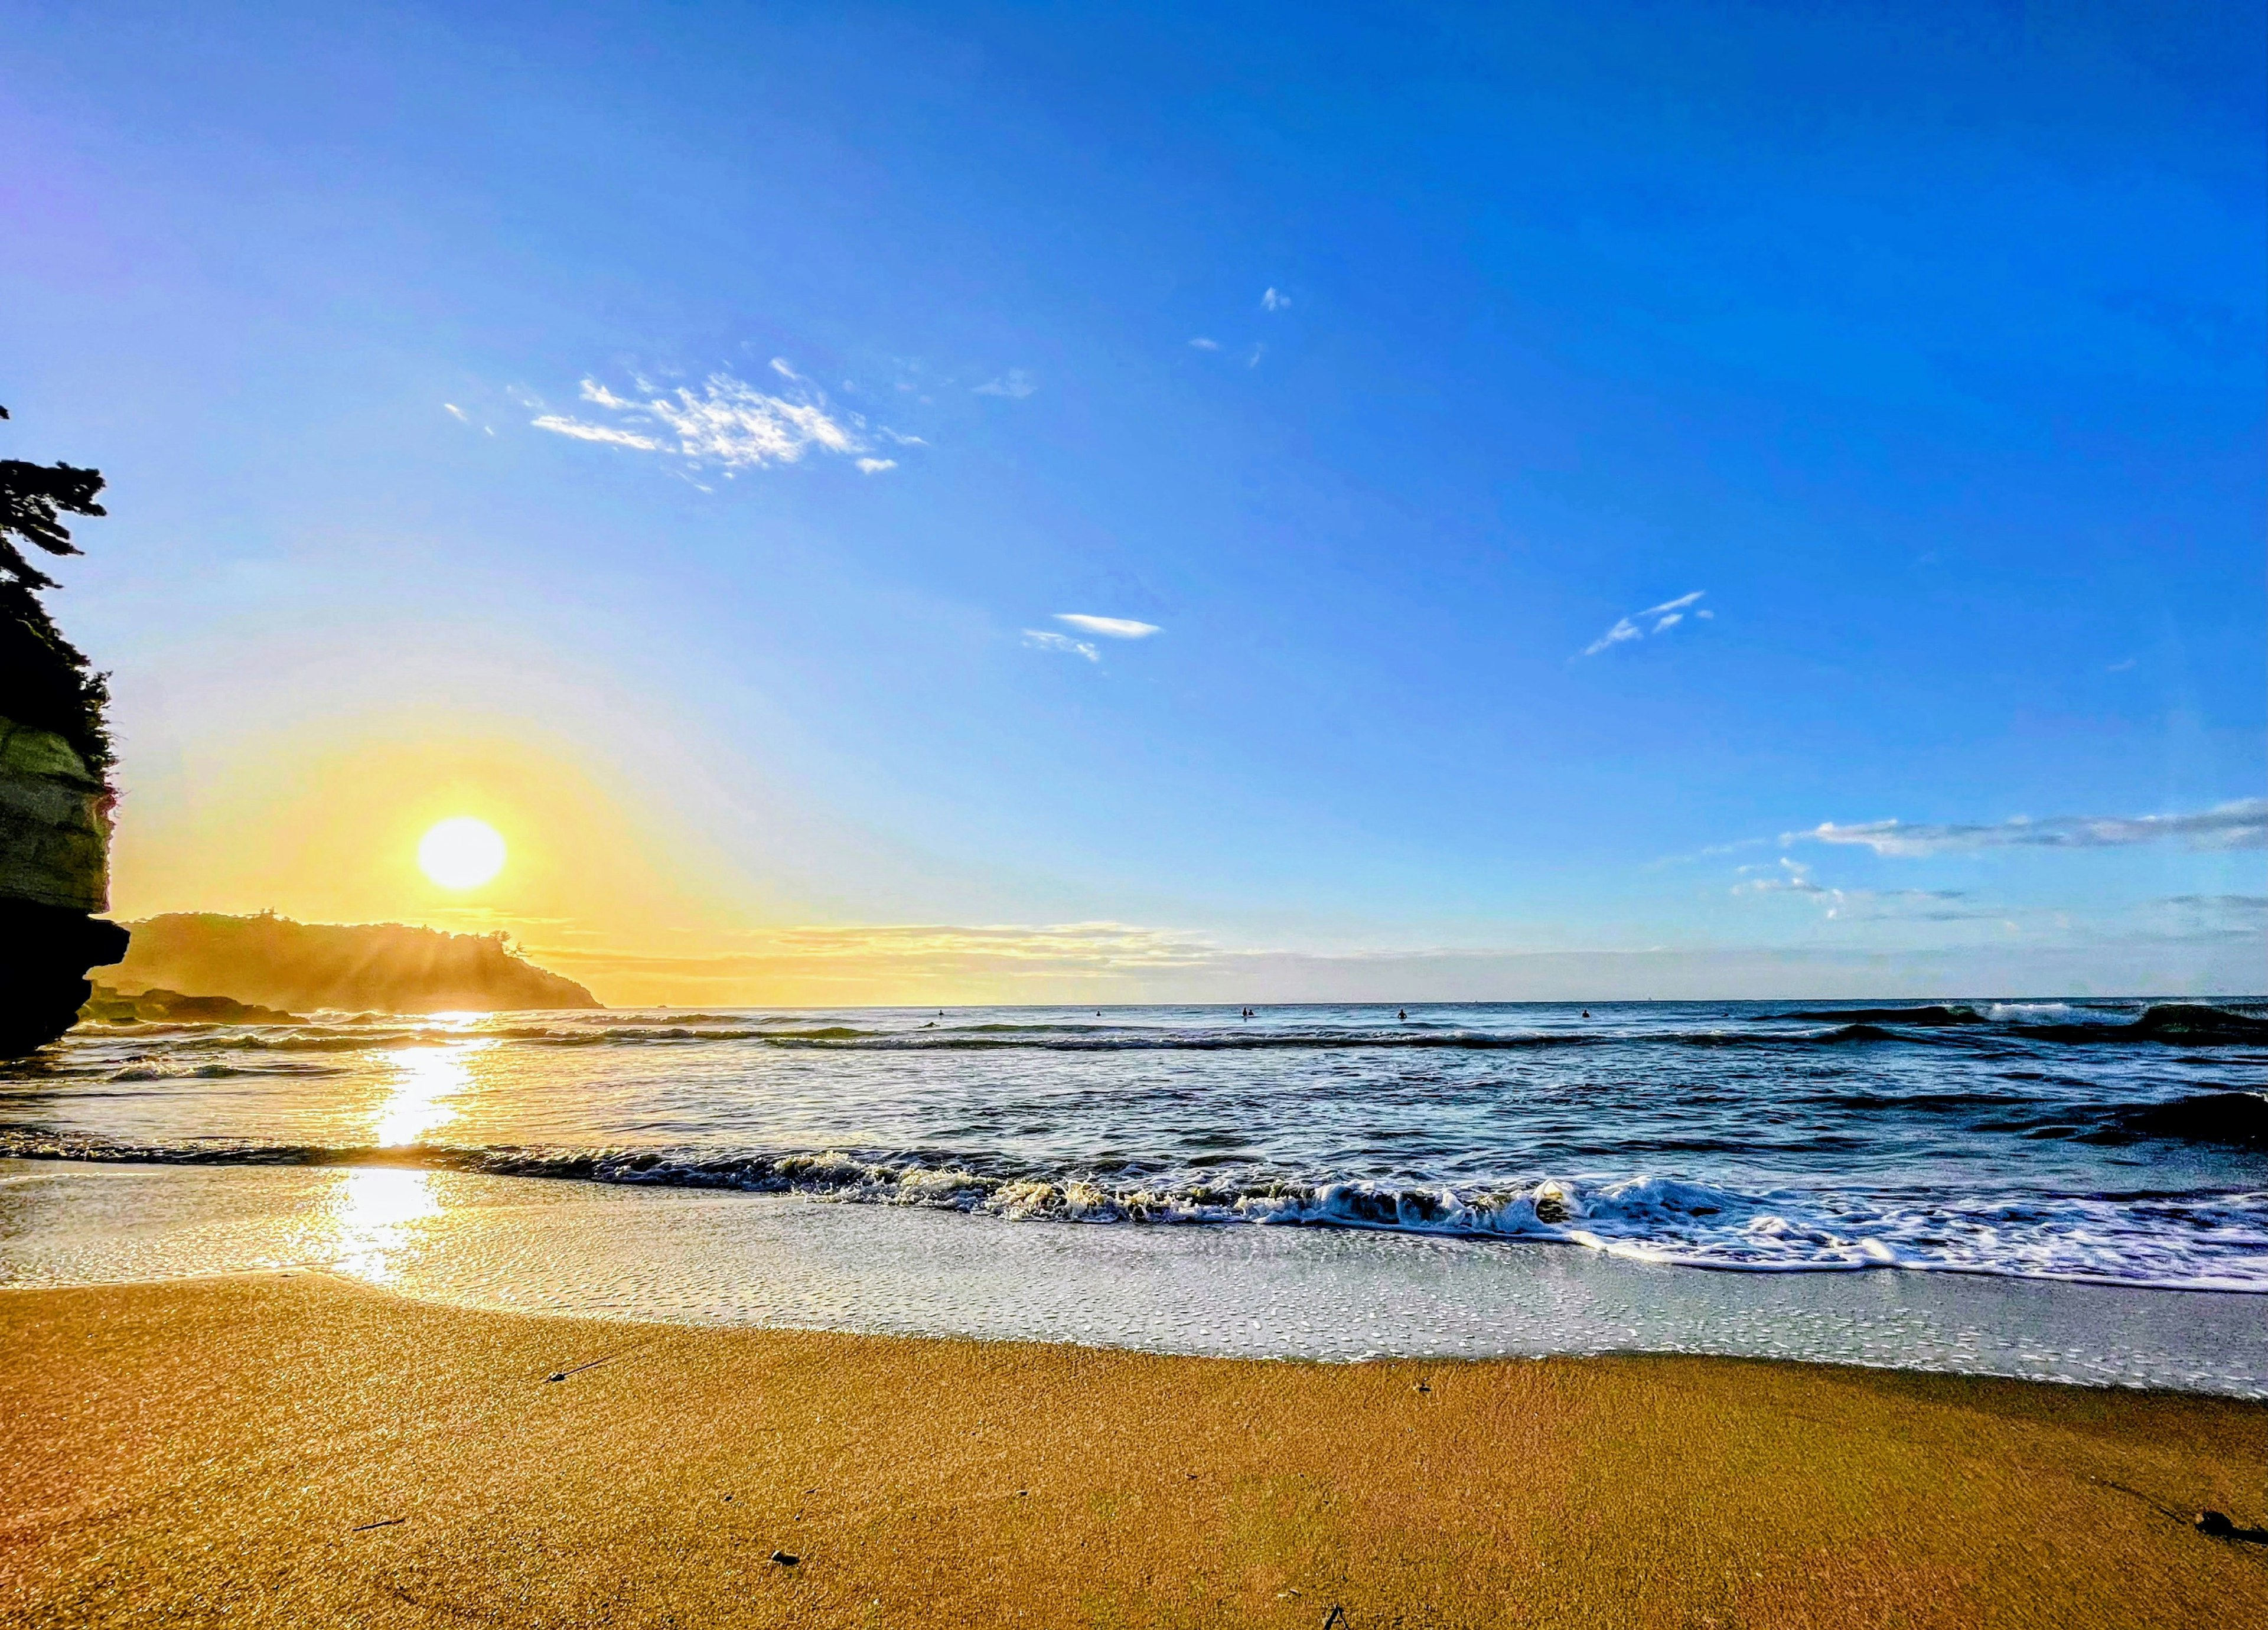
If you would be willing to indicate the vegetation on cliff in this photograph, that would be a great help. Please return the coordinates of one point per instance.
(45, 680)
(383, 967)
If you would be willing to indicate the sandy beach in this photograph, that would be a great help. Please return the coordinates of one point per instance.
(296, 1448)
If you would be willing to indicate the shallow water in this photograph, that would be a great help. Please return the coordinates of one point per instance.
(2083, 1140)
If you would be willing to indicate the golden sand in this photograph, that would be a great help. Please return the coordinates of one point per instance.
(299, 1449)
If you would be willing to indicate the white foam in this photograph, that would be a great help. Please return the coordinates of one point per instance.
(686, 1256)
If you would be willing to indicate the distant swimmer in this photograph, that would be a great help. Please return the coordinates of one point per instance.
(1402, 1013)
(1587, 1013)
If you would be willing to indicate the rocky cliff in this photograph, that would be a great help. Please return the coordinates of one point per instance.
(54, 870)
(382, 967)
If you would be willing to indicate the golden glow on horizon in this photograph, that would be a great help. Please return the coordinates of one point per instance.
(461, 852)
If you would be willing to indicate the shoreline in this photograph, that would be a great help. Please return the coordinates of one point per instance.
(58, 1152)
(297, 1448)
(706, 1260)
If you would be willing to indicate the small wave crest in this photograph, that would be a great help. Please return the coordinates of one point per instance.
(2208, 1241)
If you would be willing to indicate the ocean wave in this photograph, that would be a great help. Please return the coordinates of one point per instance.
(168, 1071)
(2186, 1241)
(974, 1040)
(2179, 1023)
(1988, 1028)
(1932, 1015)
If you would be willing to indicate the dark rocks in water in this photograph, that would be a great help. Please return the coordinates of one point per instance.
(1933, 1014)
(163, 1007)
(2238, 1117)
(45, 952)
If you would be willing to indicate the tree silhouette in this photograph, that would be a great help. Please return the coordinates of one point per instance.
(45, 680)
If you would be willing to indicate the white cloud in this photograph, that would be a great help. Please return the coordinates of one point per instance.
(2240, 825)
(1793, 876)
(1109, 628)
(1790, 877)
(1203, 343)
(1044, 640)
(2127, 667)
(1664, 617)
(1016, 383)
(875, 467)
(456, 413)
(607, 433)
(727, 422)
(1275, 299)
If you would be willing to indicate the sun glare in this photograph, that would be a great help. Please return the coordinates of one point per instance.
(462, 853)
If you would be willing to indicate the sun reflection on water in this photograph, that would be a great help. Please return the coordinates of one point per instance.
(379, 1212)
(426, 1082)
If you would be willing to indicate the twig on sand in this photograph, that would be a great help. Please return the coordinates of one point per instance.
(604, 1357)
(577, 1369)
(1336, 1619)
(387, 1522)
(2212, 1524)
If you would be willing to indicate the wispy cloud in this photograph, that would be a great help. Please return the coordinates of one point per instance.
(1789, 877)
(2240, 825)
(1016, 383)
(1109, 628)
(1653, 620)
(1275, 299)
(1794, 877)
(456, 412)
(605, 434)
(2126, 666)
(1203, 343)
(875, 467)
(1047, 639)
(726, 422)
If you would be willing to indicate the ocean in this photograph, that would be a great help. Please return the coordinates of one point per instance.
(1457, 1178)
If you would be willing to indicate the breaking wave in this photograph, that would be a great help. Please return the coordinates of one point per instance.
(2194, 1241)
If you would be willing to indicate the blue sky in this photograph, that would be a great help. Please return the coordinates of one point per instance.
(497, 376)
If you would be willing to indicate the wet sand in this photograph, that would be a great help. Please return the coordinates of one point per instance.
(296, 1448)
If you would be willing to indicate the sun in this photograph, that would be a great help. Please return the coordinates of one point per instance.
(461, 852)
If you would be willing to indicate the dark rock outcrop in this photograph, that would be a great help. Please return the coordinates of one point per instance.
(55, 875)
(163, 1007)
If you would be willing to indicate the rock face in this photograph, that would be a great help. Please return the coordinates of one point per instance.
(55, 875)
(301, 967)
(164, 1006)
